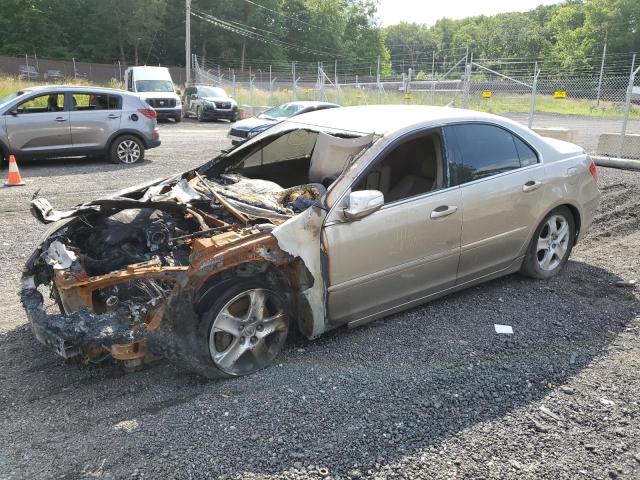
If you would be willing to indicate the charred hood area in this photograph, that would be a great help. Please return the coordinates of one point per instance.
(111, 264)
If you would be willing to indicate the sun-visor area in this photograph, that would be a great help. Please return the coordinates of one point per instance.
(331, 154)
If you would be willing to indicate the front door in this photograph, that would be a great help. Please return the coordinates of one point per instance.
(501, 182)
(40, 125)
(409, 248)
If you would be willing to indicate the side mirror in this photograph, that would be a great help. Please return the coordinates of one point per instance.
(363, 203)
(13, 112)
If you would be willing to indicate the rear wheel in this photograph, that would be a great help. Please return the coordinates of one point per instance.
(126, 149)
(199, 114)
(551, 245)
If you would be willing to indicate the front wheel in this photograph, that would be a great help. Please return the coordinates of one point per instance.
(551, 245)
(177, 119)
(199, 115)
(247, 327)
(126, 149)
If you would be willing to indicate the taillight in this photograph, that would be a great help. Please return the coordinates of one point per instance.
(149, 113)
(593, 170)
(155, 133)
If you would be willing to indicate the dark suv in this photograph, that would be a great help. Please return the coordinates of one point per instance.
(70, 121)
(208, 103)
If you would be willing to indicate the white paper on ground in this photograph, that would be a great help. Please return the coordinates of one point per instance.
(508, 329)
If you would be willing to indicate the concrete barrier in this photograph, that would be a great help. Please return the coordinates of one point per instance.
(609, 146)
(566, 134)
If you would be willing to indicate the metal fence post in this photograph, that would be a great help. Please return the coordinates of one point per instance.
(467, 81)
(627, 104)
(534, 89)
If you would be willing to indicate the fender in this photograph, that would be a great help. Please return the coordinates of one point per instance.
(127, 131)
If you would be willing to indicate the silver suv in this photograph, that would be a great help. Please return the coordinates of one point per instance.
(64, 121)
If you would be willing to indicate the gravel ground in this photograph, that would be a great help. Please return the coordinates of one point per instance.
(429, 393)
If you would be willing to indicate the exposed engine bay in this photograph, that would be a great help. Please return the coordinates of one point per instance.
(114, 263)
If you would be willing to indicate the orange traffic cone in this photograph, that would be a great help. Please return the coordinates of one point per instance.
(14, 179)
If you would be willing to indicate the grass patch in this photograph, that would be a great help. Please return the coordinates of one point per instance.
(498, 104)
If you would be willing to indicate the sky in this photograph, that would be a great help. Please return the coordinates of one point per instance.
(428, 11)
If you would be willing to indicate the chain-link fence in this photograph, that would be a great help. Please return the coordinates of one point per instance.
(598, 110)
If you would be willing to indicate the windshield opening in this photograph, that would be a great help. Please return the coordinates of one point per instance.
(154, 86)
(212, 92)
(283, 111)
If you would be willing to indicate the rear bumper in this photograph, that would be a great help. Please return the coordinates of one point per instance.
(153, 143)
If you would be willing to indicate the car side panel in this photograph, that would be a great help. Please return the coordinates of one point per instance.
(570, 182)
(498, 219)
(393, 256)
(38, 132)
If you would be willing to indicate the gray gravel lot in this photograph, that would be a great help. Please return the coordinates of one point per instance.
(430, 393)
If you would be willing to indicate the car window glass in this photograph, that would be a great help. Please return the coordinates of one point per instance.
(42, 104)
(90, 101)
(290, 146)
(481, 151)
(411, 168)
(526, 154)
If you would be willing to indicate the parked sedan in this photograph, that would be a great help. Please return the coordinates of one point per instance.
(209, 103)
(71, 121)
(331, 218)
(250, 127)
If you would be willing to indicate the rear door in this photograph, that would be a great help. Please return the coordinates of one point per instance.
(39, 124)
(94, 118)
(501, 182)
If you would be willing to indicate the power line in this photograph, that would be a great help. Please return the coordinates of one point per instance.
(241, 29)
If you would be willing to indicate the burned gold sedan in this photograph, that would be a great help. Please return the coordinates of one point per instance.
(332, 218)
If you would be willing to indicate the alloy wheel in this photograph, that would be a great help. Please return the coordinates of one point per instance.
(553, 242)
(128, 151)
(248, 332)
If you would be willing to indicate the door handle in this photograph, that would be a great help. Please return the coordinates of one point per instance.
(443, 211)
(113, 115)
(531, 185)
(61, 119)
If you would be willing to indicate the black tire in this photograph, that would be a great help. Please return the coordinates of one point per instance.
(177, 119)
(532, 266)
(115, 154)
(187, 341)
(199, 114)
(234, 119)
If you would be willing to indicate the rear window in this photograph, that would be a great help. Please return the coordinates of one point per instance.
(96, 101)
(481, 151)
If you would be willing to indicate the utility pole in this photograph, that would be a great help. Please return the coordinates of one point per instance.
(433, 65)
(604, 55)
(244, 46)
(187, 40)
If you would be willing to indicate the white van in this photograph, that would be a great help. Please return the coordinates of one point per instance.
(154, 86)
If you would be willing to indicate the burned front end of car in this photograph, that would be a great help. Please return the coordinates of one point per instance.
(115, 269)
